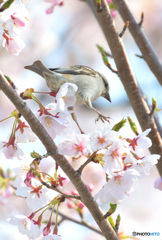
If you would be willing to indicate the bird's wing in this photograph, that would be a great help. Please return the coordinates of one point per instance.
(76, 70)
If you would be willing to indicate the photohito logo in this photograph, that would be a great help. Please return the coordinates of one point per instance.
(134, 234)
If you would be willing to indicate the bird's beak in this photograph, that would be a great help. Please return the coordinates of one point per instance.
(107, 96)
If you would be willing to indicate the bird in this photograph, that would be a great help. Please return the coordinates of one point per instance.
(91, 84)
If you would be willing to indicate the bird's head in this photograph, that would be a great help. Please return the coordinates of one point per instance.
(105, 92)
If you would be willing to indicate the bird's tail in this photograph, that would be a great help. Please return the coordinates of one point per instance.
(38, 68)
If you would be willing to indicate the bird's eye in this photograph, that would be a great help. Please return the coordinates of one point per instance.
(105, 83)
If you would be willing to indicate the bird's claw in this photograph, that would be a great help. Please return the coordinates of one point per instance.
(102, 118)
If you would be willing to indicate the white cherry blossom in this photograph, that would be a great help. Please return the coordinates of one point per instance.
(120, 185)
(25, 226)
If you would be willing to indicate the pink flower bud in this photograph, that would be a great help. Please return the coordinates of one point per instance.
(47, 229)
(71, 205)
(74, 192)
(90, 187)
(81, 205)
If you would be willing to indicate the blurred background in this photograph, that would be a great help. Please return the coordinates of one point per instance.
(69, 37)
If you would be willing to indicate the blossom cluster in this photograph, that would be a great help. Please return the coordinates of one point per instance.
(12, 21)
(123, 161)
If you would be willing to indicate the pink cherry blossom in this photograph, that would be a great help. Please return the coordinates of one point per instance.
(102, 137)
(113, 158)
(36, 195)
(141, 141)
(75, 146)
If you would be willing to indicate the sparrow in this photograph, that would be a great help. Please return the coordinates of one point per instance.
(91, 84)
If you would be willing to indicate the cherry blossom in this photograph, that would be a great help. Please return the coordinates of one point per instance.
(35, 195)
(54, 120)
(66, 96)
(21, 169)
(11, 150)
(113, 158)
(102, 137)
(11, 20)
(121, 184)
(141, 141)
(24, 133)
(26, 226)
(75, 146)
(144, 164)
(13, 44)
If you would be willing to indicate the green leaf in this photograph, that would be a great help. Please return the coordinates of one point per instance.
(34, 154)
(119, 125)
(104, 57)
(6, 5)
(10, 81)
(133, 126)
(111, 221)
(118, 219)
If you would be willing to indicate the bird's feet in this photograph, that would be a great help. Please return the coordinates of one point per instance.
(102, 118)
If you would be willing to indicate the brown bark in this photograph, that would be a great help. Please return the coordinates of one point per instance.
(127, 78)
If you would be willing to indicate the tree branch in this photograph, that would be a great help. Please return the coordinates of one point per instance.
(140, 38)
(50, 146)
(59, 191)
(129, 82)
(82, 223)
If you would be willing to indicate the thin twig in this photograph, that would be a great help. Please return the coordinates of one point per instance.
(82, 223)
(109, 66)
(59, 191)
(38, 159)
(140, 38)
(154, 105)
(139, 56)
(142, 19)
(124, 29)
(80, 169)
